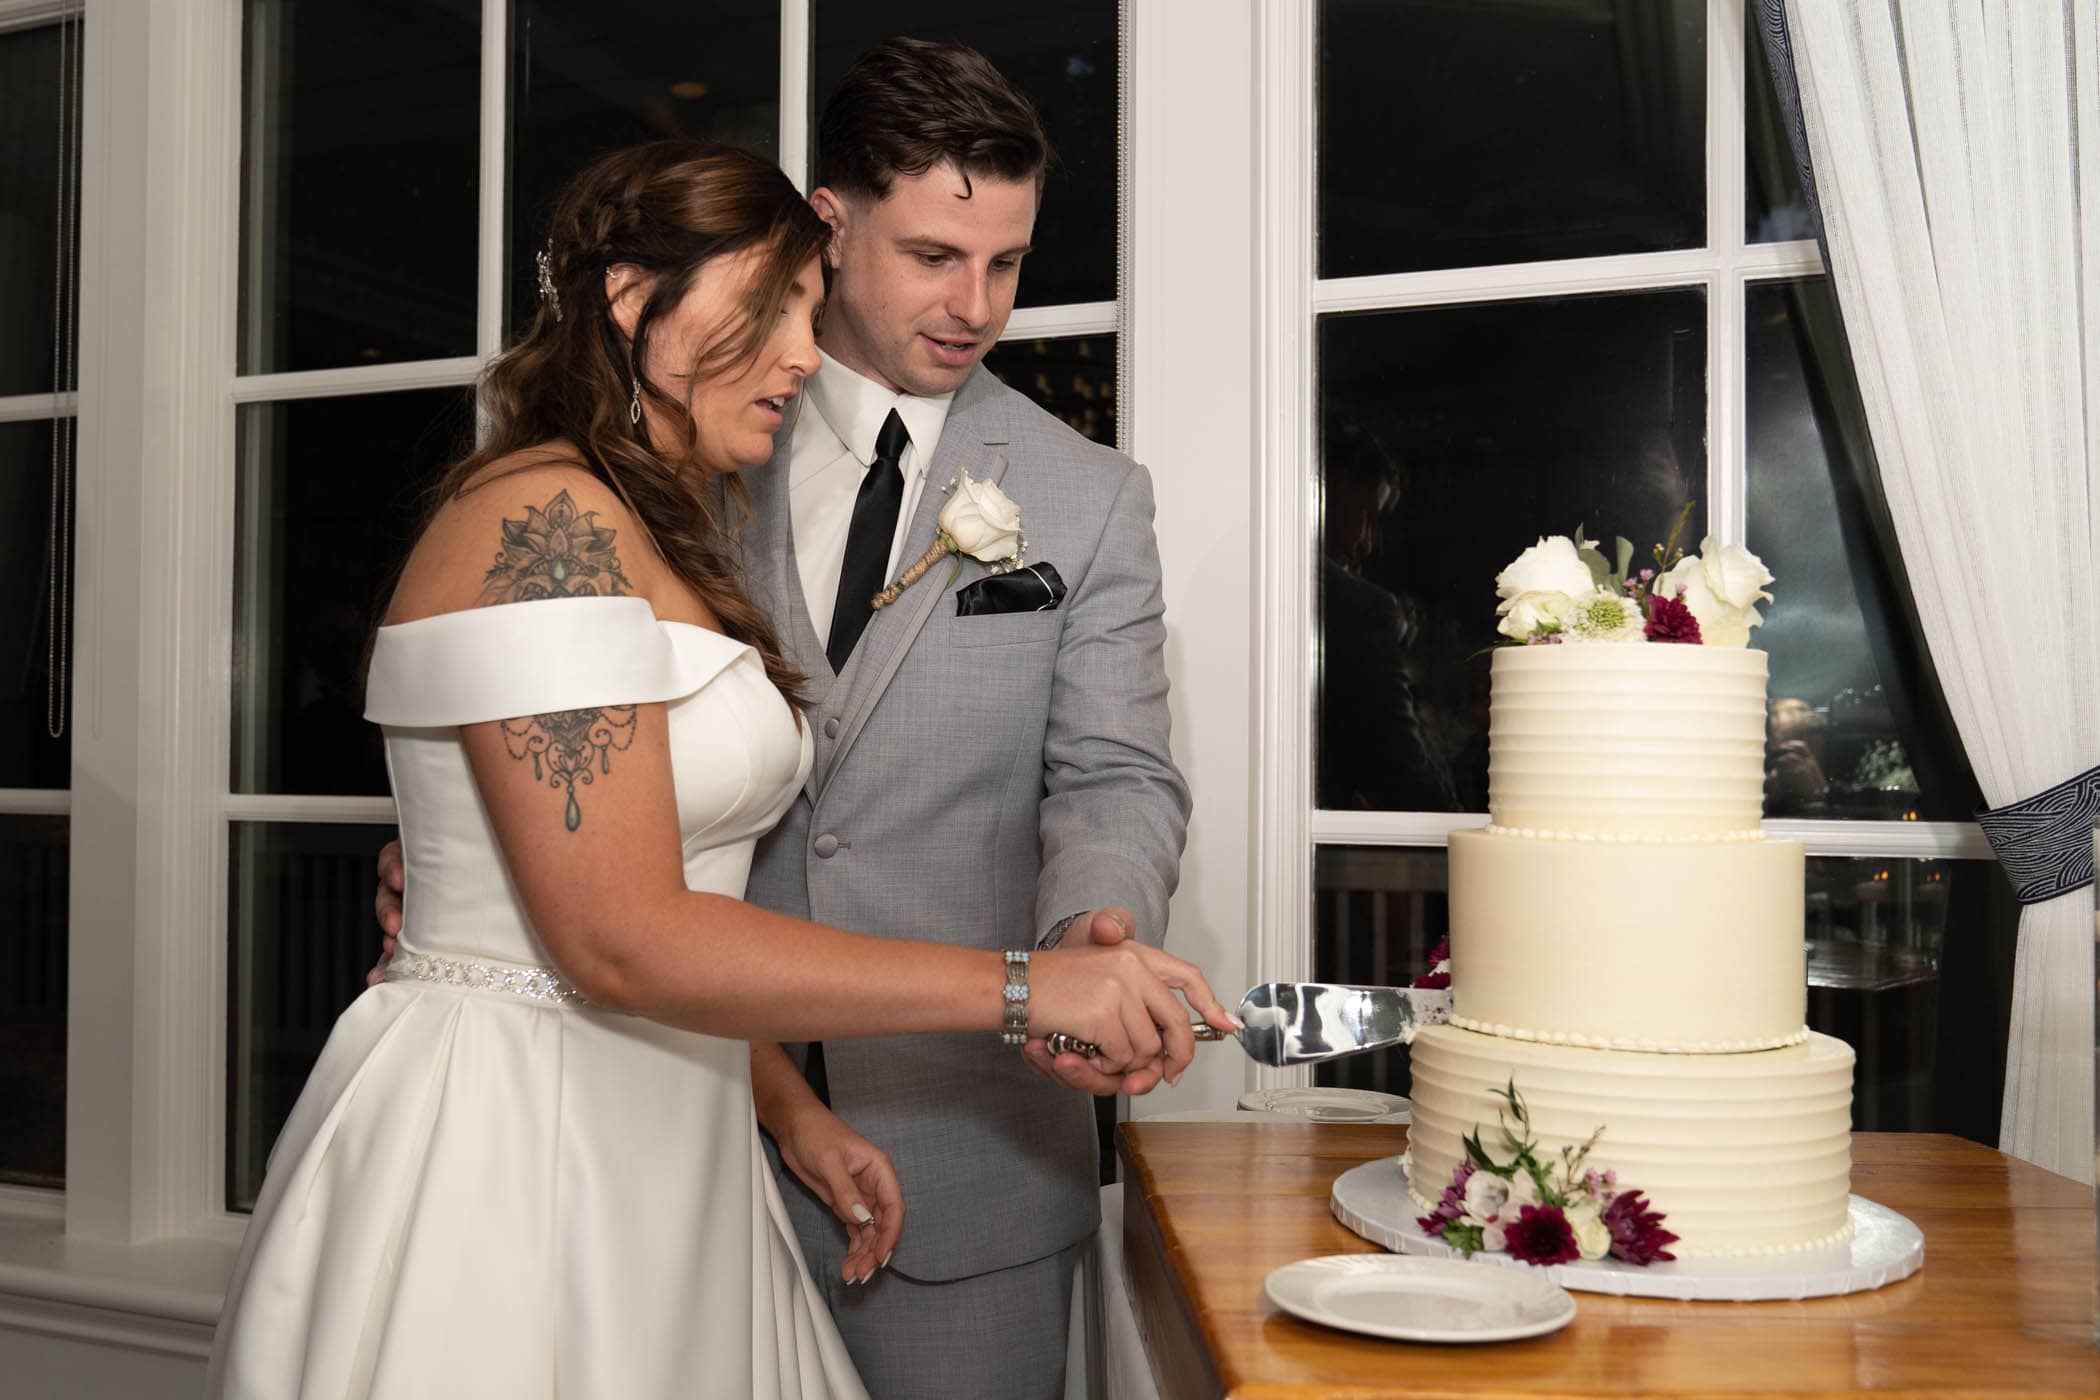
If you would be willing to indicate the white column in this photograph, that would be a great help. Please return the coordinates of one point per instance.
(1192, 367)
(146, 1004)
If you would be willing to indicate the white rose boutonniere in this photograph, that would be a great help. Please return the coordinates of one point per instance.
(979, 520)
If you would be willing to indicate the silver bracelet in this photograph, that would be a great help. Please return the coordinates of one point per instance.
(1015, 1029)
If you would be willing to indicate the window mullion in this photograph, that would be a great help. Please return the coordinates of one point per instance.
(495, 110)
(796, 145)
(1727, 483)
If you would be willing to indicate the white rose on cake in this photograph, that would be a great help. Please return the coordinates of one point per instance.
(1486, 1194)
(1592, 1235)
(1722, 585)
(1539, 588)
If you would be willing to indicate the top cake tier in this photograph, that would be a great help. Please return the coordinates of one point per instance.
(1647, 741)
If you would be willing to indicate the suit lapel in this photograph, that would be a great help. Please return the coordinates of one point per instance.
(975, 429)
(773, 563)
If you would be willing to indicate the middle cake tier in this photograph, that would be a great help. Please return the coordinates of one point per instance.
(1628, 945)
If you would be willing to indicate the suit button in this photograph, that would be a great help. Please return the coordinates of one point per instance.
(831, 728)
(826, 846)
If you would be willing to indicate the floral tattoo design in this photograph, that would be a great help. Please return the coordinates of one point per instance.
(555, 553)
(559, 552)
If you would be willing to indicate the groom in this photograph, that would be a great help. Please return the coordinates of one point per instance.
(989, 770)
(986, 772)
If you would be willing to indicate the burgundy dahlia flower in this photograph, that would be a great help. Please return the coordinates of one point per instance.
(1431, 981)
(1669, 620)
(1541, 1235)
(1637, 1233)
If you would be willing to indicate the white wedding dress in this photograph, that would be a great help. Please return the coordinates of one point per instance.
(489, 1188)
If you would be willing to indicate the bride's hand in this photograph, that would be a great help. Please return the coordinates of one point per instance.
(853, 1177)
(1122, 999)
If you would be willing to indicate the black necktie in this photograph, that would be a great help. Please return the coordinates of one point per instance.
(868, 542)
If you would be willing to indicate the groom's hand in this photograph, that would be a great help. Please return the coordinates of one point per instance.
(1104, 927)
(386, 905)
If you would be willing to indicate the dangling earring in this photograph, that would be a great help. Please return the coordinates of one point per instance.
(634, 405)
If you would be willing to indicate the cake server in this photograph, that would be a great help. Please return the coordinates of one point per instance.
(1302, 1023)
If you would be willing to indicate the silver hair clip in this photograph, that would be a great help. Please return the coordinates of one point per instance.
(548, 292)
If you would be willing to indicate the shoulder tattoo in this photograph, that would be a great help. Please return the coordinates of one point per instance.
(558, 552)
(555, 552)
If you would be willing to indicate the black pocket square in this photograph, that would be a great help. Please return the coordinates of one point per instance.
(1036, 588)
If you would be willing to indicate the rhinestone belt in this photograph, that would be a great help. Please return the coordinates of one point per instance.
(541, 984)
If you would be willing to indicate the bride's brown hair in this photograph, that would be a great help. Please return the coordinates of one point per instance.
(667, 208)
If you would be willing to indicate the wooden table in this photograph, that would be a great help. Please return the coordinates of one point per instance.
(2003, 1306)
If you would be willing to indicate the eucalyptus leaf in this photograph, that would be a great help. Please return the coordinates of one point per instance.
(1625, 548)
(1599, 566)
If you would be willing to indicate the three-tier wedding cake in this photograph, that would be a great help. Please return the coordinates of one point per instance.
(1626, 948)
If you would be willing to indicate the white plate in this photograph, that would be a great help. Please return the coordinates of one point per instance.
(1419, 1300)
(1329, 1105)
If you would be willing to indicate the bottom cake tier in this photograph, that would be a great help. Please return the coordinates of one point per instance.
(1743, 1154)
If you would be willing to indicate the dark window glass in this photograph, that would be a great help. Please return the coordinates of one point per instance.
(29, 756)
(301, 938)
(360, 146)
(33, 858)
(1378, 911)
(590, 78)
(1501, 131)
(30, 218)
(1073, 377)
(1776, 210)
(1450, 439)
(1882, 935)
(1061, 54)
(1858, 725)
(329, 500)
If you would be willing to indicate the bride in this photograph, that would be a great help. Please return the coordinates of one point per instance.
(527, 1164)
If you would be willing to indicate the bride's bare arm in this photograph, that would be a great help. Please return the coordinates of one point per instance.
(598, 863)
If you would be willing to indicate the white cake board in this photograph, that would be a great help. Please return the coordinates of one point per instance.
(1373, 1201)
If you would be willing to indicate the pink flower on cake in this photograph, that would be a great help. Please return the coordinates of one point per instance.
(1541, 1236)
(1637, 1233)
(1669, 620)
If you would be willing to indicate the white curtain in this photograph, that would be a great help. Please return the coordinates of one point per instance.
(1964, 234)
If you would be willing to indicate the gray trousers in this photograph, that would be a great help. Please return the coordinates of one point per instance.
(994, 1336)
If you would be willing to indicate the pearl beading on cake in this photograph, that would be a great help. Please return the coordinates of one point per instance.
(1699, 838)
(1597, 1042)
(540, 984)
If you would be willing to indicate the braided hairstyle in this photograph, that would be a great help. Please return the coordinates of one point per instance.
(668, 208)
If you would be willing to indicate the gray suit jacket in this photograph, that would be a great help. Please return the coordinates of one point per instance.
(977, 779)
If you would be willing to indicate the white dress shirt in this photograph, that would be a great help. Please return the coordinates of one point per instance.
(828, 457)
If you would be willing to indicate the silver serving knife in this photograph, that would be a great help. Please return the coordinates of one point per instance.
(1301, 1023)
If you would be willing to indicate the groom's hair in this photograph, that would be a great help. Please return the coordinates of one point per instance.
(907, 105)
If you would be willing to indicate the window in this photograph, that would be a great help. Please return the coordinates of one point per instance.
(356, 361)
(39, 327)
(1548, 309)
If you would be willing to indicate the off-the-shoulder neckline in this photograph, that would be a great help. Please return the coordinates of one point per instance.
(624, 604)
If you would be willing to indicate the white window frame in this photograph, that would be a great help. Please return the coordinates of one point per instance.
(1294, 297)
